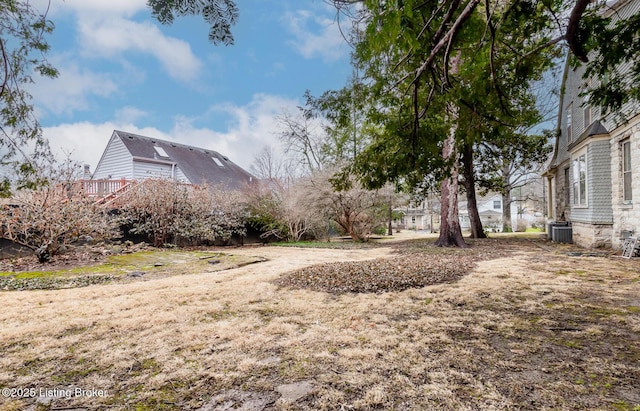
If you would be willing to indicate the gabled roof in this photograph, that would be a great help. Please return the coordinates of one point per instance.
(199, 165)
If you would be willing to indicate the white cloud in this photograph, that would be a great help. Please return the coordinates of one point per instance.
(85, 142)
(315, 35)
(129, 115)
(249, 128)
(70, 90)
(114, 36)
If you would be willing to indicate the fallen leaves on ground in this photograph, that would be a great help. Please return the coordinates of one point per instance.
(419, 264)
(380, 275)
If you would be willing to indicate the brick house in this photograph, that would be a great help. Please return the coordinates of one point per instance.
(593, 179)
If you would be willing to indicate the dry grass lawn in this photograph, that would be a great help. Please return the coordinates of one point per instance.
(534, 329)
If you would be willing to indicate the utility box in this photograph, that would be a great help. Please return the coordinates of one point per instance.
(562, 234)
(555, 224)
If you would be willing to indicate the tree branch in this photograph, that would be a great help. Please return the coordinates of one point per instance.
(444, 41)
(572, 34)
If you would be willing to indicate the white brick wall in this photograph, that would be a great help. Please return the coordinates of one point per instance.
(625, 216)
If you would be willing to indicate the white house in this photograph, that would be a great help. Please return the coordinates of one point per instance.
(134, 157)
(594, 176)
(489, 209)
(426, 215)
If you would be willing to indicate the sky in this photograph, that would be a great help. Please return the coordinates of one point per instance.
(122, 70)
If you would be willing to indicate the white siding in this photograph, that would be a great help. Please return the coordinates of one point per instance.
(116, 162)
(626, 10)
(180, 176)
(145, 169)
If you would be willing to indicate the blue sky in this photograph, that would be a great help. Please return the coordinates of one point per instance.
(120, 69)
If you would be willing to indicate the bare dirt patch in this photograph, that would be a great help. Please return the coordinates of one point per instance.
(530, 329)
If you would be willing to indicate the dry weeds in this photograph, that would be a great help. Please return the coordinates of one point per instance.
(534, 329)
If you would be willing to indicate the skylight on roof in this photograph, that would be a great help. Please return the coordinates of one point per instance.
(161, 151)
(217, 161)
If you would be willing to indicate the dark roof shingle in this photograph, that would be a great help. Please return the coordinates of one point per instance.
(197, 164)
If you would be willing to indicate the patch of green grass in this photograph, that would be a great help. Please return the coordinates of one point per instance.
(622, 405)
(106, 268)
(632, 309)
(571, 344)
(148, 260)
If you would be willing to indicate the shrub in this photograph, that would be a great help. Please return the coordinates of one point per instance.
(53, 216)
(169, 212)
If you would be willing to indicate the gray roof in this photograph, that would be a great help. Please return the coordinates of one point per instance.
(595, 129)
(197, 164)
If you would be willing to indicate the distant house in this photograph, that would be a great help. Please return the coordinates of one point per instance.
(525, 209)
(423, 216)
(133, 157)
(594, 176)
(489, 209)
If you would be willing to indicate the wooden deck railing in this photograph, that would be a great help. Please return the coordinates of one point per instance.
(105, 191)
(102, 188)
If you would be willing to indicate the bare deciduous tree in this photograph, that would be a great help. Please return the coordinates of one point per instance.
(304, 136)
(279, 210)
(354, 209)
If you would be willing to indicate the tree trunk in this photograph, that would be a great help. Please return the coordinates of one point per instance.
(390, 227)
(506, 214)
(506, 199)
(450, 231)
(477, 231)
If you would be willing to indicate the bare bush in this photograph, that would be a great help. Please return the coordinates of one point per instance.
(356, 210)
(278, 209)
(171, 212)
(521, 225)
(51, 217)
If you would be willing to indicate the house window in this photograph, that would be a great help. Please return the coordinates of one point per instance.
(496, 204)
(587, 111)
(217, 161)
(567, 185)
(569, 122)
(626, 172)
(580, 180)
(586, 107)
(413, 219)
